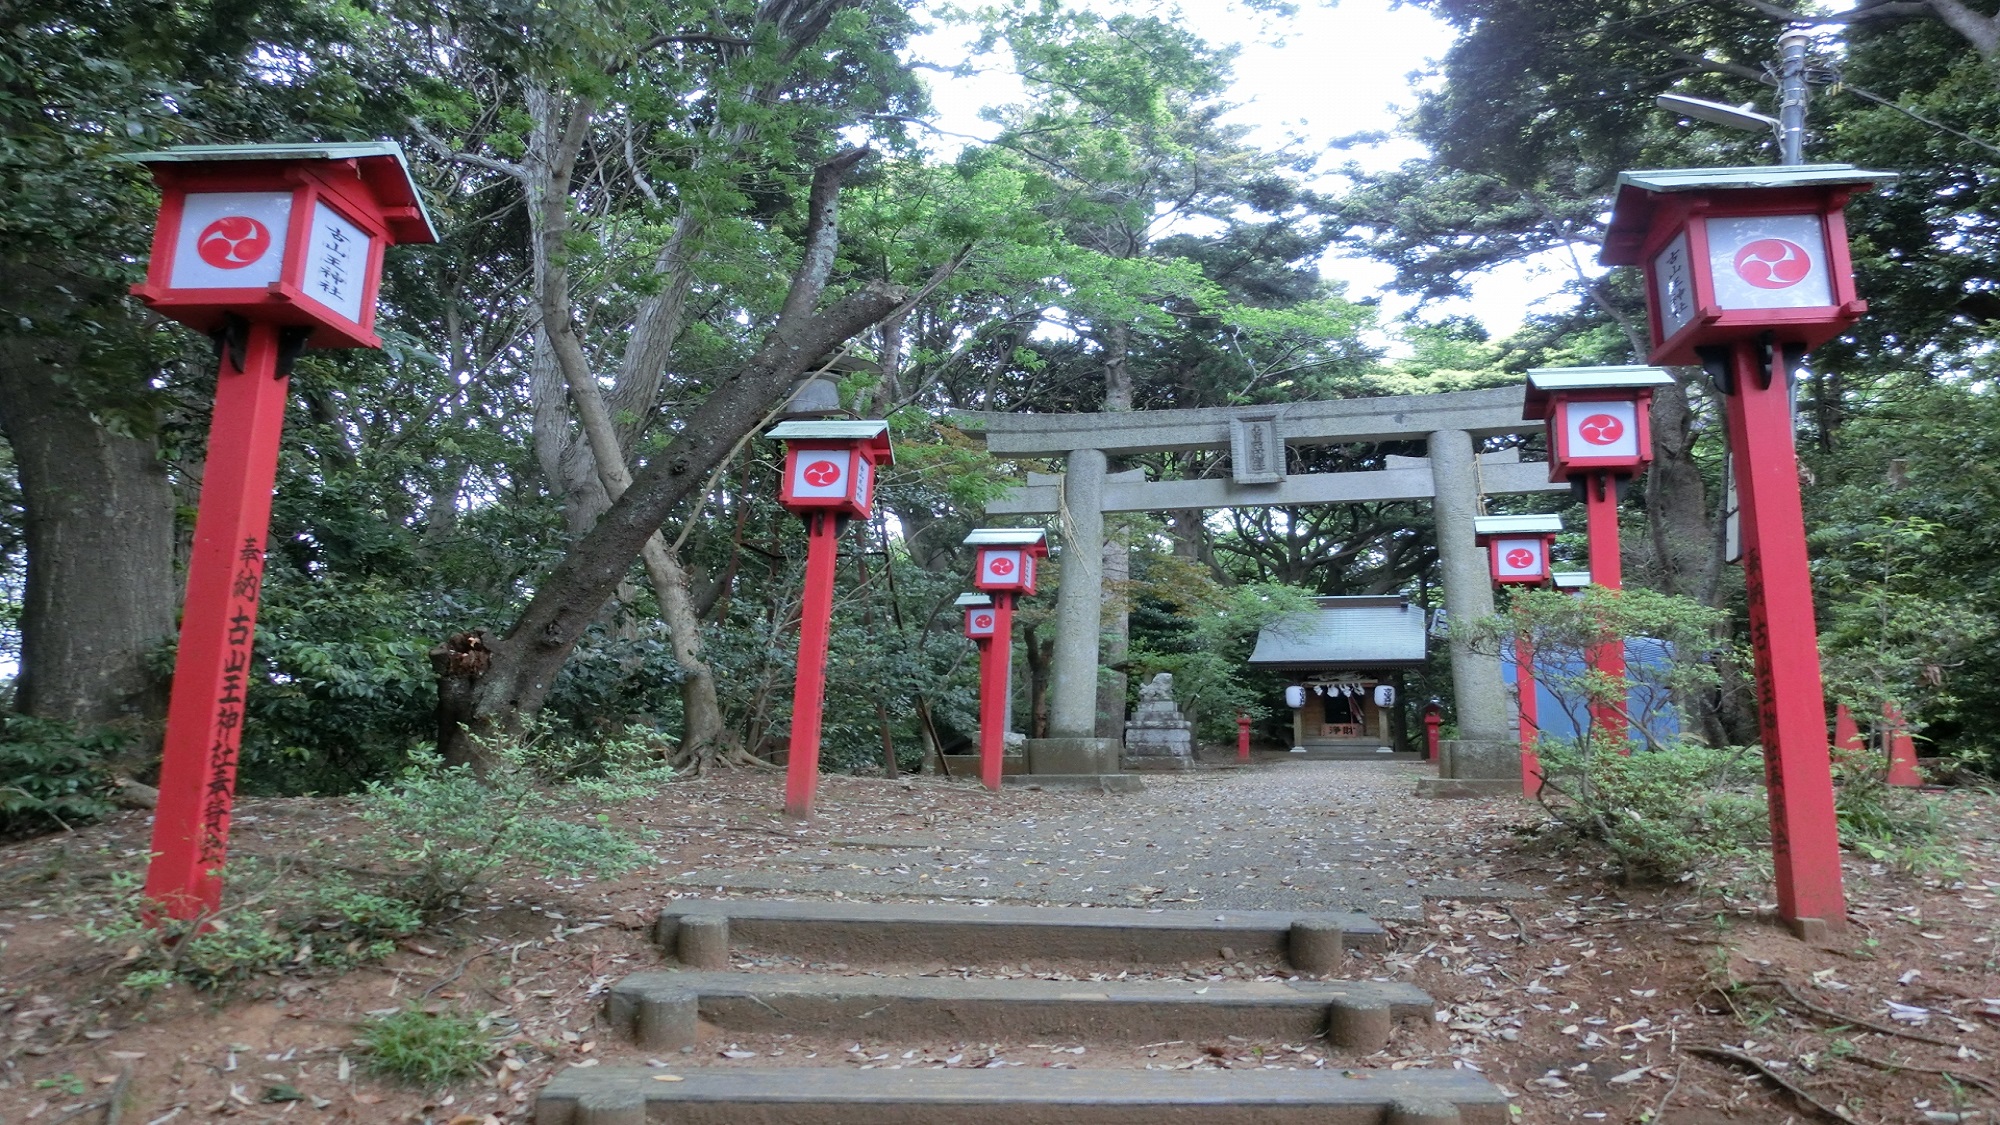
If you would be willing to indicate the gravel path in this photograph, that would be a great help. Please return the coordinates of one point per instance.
(1298, 835)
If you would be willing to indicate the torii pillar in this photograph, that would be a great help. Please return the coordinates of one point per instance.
(1485, 758)
(1073, 747)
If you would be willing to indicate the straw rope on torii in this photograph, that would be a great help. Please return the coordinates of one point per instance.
(1451, 477)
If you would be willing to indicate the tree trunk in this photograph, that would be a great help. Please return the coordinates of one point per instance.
(1111, 686)
(101, 589)
(528, 657)
(1038, 654)
(1683, 531)
(534, 649)
(703, 736)
(458, 664)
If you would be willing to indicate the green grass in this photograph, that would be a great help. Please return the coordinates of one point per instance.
(425, 1047)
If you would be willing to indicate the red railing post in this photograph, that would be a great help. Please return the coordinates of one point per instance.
(809, 691)
(995, 658)
(1902, 748)
(1846, 732)
(218, 622)
(1791, 704)
(1524, 682)
(1607, 569)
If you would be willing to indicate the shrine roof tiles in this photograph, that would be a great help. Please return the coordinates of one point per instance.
(1352, 632)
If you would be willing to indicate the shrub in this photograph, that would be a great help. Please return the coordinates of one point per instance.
(1887, 823)
(53, 775)
(434, 833)
(427, 1047)
(280, 923)
(1663, 813)
(444, 830)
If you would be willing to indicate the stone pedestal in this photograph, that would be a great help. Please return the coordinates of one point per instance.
(1072, 755)
(1157, 737)
(1474, 767)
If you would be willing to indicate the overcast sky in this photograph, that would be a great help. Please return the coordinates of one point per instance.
(1324, 73)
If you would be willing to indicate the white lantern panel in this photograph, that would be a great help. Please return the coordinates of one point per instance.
(231, 240)
(1769, 262)
(864, 474)
(820, 473)
(1673, 286)
(1001, 568)
(1517, 557)
(336, 262)
(1601, 429)
(979, 622)
(1028, 575)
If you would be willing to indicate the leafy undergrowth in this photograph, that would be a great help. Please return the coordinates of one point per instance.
(1605, 1000)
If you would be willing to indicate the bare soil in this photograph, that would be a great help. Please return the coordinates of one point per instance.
(1587, 1001)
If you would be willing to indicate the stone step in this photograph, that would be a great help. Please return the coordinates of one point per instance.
(828, 1096)
(668, 1010)
(700, 932)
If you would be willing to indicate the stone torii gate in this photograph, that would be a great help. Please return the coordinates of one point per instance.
(1452, 477)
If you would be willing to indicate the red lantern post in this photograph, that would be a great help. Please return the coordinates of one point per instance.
(270, 249)
(1433, 719)
(1003, 568)
(829, 479)
(1243, 738)
(1600, 435)
(1747, 269)
(1519, 550)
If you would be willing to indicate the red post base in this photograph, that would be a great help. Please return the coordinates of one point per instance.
(1607, 569)
(995, 657)
(218, 620)
(809, 691)
(1791, 706)
(1902, 749)
(1524, 682)
(1242, 738)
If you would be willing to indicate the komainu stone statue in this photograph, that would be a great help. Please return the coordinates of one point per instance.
(1157, 737)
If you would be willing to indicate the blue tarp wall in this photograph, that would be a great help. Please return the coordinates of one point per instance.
(1647, 701)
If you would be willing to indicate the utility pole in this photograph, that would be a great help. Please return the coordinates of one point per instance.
(1792, 97)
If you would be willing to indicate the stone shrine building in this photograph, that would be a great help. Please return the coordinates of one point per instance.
(1337, 656)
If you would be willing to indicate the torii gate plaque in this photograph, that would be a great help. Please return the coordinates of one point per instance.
(1485, 756)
